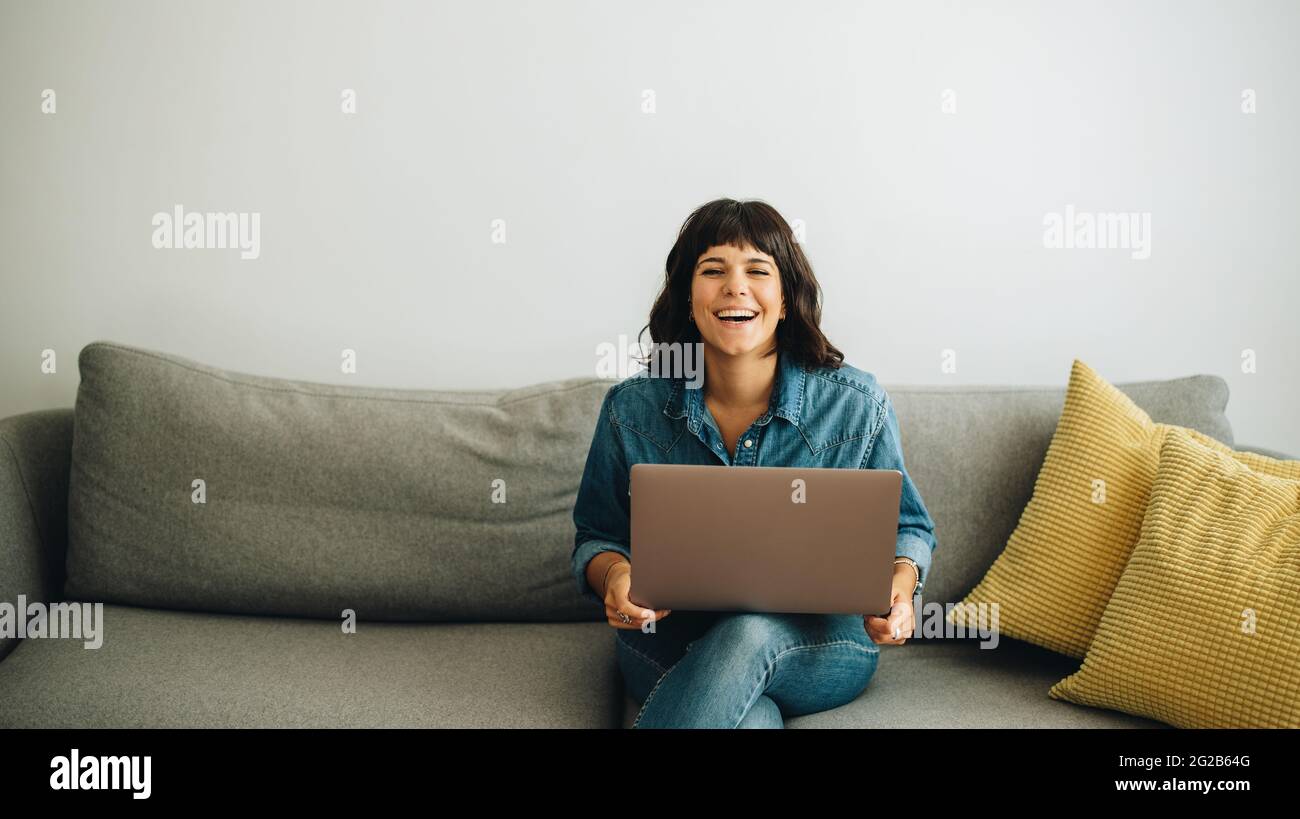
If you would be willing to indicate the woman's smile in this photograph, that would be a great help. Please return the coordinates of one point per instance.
(736, 319)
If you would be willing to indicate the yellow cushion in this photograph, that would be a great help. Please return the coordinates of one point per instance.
(1053, 579)
(1203, 629)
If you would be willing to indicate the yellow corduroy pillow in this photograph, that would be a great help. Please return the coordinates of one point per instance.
(1052, 581)
(1203, 629)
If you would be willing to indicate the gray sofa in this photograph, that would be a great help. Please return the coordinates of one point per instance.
(228, 523)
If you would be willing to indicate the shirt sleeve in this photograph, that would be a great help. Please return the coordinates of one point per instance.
(915, 528)
(602, 512)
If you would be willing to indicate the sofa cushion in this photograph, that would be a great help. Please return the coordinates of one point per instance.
(322, 498)
(957, 684)
(34, 451)
(1203, 628)
(975, 452)
(170, 669)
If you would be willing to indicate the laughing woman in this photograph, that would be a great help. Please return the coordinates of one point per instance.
(774, 387)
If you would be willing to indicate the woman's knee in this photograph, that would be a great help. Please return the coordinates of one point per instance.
(768, 634)
(764, 713)
(822, 676)
(750, 633)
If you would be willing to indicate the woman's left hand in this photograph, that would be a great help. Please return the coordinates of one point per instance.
(901, 617)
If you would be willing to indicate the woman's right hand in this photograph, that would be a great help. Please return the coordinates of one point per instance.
(617, 587)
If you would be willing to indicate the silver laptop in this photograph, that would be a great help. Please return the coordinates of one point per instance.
(764, 538)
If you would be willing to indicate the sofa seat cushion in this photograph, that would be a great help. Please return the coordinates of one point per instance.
(166, 669)
(956, 684)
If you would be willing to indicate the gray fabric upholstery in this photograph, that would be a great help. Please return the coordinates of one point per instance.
(165, 669)
(1265, 451)
(322, 498)
(956, 684)
(328, 497)
(34, 451)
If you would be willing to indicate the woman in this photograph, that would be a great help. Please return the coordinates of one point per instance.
(775, 393)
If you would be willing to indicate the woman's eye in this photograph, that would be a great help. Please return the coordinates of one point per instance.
(764, 272)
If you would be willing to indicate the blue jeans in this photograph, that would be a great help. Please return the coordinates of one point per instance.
(705, 669)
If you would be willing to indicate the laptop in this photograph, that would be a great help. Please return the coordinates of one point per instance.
(764, 538)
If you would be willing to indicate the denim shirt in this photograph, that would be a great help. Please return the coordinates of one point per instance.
(825, 417)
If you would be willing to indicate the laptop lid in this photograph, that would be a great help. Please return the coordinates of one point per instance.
(764, 538)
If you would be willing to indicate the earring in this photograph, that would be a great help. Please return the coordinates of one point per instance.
(690, 316)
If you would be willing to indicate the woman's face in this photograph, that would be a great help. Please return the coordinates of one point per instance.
(741, 278)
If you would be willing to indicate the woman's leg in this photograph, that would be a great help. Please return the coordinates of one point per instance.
(644, 657)
(802, 662)
(640, 671)
(763, 714)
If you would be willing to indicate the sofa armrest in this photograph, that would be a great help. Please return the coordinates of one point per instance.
(35, 459)
(1268, 453)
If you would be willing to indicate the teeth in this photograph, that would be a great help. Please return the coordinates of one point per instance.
(743, 313)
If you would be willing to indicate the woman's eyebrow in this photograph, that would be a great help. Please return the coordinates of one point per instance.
(720, 260)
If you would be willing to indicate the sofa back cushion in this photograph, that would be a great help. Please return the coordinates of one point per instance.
(975, 452)
(396, 504)
(449, 505)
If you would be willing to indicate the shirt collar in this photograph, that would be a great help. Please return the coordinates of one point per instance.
(786, 401)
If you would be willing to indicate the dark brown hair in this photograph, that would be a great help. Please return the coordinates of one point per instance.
(736, 223)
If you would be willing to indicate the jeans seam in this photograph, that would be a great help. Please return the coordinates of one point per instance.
(760, 688)
(651, 695)
(643, 656)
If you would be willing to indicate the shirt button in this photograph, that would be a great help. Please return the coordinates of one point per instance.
(749, 442)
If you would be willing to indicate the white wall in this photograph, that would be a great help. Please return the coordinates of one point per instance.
(925, 227)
